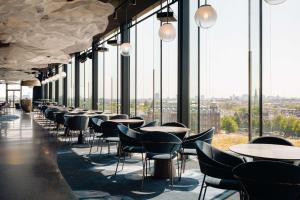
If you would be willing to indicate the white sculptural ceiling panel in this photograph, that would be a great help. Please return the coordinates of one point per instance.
(42, 32)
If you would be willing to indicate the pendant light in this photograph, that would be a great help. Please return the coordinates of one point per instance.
(206, 16)
(125, 48)
(167, 31)
(275, 2)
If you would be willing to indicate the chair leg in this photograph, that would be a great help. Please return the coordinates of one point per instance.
(123, 159)
(171, 169)
(118, 164)
(202, 185)
(204, 192)
(108, 147)
(143, 162)
(91, 146)
(146, 168)
(179, 174)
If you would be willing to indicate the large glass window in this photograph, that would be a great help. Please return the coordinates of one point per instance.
(71, 83)
(281, 46)
(86, 73)
(219, 73)
(60, 86)
(109, 79)
(2, 92)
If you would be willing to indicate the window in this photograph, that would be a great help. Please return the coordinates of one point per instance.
(71, 83)
(27, 92)
(2, 92)
(281, 45)
(109, 79)
(53, 91)
(219, 73)
(153, 71)
(86, 73)
(61, 86)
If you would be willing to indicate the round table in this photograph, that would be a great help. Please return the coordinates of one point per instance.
(268, 151)
(161, 167)
(127, 121)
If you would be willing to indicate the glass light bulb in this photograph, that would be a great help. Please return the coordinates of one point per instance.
(206, 16)
(167, 32)
(125, 49)
(274, 2)
(63, 75)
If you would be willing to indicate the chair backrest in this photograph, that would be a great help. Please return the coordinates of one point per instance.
(77, 123)
(96, 124)
(177, 124)
(271, 140)
(136, 125)
(59, 117)
(269, 180)
(110, 129)
(150, 124)
(161, 142)
(206, 136)
(214, 162)
(121, 116)
(129, 137)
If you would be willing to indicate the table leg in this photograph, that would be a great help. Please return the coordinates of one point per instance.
(80, 138)
(162, 169)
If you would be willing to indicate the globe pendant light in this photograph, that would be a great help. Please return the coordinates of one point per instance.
(167, 31)
(275, 2)
(125, 49)
(206, 16)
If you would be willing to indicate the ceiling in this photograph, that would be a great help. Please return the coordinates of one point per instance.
(35, 33)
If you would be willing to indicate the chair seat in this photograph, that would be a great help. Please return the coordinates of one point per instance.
(226, 184)
(134, 149)
(112, 139)
(98, 135)
(155, 156)
(189, 152)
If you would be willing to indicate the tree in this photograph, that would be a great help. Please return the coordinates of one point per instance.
(229, 124)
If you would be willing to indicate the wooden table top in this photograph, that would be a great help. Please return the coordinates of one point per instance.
(267, 151)
(167, 129)
(127, 121)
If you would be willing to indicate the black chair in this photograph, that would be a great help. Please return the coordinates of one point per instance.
(177, 124)
(97, 131)
(59, 119)
(271, 140)
(121, 116)
(130, 142)
(76, 124)
(161, 146)
(150, 124)
(137, 125)
(189, 147)
(110, 133)
(217, 168)
(263, 180)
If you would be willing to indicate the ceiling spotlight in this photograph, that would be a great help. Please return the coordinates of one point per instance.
(167, 32)
(206, 16)
(125, 49)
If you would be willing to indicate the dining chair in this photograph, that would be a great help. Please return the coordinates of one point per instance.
(136, 125)
(161, 146)
(274, 180)
(130, 142)
(150, 124)
(97, 131)
(59, 120)
(217, 167)
(189, 147)
(120, 116)
(271, 140)
(110, 133)
(177, 124)
(76, 124)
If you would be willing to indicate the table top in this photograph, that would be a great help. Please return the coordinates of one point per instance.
(83, 114)
(267, 151)
(127, 121)
(167, 129)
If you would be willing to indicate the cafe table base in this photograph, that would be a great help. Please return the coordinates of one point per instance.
(162, 169)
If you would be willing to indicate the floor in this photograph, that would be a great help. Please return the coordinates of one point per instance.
(28, 167)
(36, 165)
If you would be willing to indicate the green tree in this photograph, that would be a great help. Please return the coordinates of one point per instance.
(229, 124)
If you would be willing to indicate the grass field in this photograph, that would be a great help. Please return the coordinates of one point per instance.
(224, 141)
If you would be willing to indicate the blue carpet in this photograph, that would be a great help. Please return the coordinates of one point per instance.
(7, 118)
(93, 178)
